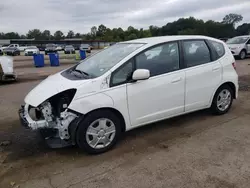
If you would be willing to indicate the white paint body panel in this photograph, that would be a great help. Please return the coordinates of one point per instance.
(51, 86)
(201, 81)
(145, 101)
(156, 98)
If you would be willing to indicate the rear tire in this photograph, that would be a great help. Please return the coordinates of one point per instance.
(98, 132)
(222, 100)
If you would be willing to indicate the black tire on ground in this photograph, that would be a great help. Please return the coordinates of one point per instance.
(46, 53)
(86, 122)
(243, 54)
(214, 107)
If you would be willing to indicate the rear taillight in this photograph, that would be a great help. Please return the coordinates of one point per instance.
(234, 65)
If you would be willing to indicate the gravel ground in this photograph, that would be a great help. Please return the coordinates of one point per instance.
(195, 150)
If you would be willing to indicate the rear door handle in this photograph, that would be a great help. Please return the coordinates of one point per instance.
(216, 68)
(176, 80)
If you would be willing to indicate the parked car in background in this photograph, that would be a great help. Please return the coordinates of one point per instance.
(6, 69)
(59, 47)
(4, 46)
(50, 48)
(12, 51)
(41, 48)
(69, 49)
(224, 39)
(31, 50)
(20, 47)
(85, 47)
(131, 84)
(240, 46)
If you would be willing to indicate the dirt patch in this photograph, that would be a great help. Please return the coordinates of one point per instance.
(244, 83)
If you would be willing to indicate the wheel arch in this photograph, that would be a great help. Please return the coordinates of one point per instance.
(75, 124)
(230, 84)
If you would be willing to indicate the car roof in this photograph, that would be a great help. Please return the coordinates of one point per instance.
(156, 40)
(243, 36)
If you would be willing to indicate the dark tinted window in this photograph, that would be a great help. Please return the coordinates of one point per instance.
(122, 74)
(159, 60)
(219, 48)
(196, 53)
(248, 41)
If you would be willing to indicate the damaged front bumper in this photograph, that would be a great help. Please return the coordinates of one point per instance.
(59, 126)
(27, 121)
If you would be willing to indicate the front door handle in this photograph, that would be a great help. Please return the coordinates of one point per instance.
(176, 80)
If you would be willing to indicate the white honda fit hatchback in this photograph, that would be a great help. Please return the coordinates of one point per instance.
(128, 85)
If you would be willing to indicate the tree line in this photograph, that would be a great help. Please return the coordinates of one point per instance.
(183, 26)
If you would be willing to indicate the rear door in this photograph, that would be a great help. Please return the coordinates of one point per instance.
(203, 74)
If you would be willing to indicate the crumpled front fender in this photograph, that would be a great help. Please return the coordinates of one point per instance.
(91, 102)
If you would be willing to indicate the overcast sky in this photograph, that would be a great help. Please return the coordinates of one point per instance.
(81, 15)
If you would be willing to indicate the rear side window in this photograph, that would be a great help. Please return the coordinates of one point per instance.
(196, 53)
(219, 48)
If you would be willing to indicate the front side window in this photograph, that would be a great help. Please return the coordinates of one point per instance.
(196, 53)
(122, 74)
(159, 60)
(103, 61)
(219, 48)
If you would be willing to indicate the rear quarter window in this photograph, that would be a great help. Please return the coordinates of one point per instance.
(219, 48)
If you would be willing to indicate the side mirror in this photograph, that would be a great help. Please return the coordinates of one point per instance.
(141, 74)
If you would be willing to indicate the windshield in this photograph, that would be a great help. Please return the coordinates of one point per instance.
(237, 40)
(101, 62)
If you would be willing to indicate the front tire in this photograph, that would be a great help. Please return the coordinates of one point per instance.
(243, 54)
(98, 132)
(222, 100)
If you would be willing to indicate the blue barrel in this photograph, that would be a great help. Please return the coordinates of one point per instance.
(54, 59)
(38, 60)
(82, 54)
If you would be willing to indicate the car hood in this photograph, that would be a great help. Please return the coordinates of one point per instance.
(235, 45)
(51, 86)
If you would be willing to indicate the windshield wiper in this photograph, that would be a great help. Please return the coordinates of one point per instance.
(82, 72)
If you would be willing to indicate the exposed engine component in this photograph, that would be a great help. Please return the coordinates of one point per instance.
(47, 111)
(63, 124)
(53, 114)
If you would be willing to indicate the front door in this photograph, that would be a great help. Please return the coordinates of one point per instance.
(162, 95)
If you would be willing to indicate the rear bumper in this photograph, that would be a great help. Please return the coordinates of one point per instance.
(50, 51)
(69, 52)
